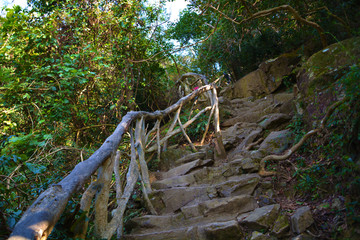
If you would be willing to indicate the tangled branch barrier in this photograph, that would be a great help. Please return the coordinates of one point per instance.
(40, 218)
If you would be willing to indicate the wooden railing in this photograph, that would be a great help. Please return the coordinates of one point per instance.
(40, 218)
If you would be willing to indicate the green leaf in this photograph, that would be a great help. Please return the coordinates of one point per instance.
(47, 136)
(36, 168)
(26, 96)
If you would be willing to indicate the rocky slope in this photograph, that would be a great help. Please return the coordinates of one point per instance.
(200, 197)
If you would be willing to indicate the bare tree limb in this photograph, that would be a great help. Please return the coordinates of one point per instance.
(102, 196)
(185, 135)
(168, 133)
(219, 141)
(207, 126)
(132, 177)
(139, 136)
(118, 188)
(80, 227)
(41, 217)
(176, 131)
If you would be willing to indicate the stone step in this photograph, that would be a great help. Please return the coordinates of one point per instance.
(222, 225)
(152, 223)
(204, 175)
(220, 208)
(185, 168)
(167, 201)
(204, 213)
(228, 230)
(190, 157)
(170, 200)
(179, 234)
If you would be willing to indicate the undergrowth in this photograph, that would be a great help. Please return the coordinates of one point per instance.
(329, 164)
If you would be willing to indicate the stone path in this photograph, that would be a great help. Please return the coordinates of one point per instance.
(201, 198)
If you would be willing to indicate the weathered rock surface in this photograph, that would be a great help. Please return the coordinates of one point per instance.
(169, 157)
(301, 219)
(231, 205)
(277, 142)
(317, 77)
(281, 226)
(172, 199)
(273, 120)
(238, 185)
(223, 231)
(248, 165)
(201, 198)
(189, 158)
(186, 168)
(262, 218)
(266, 79)
(259, 236)
(303, 237)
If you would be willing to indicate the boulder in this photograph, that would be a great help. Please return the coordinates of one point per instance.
(285, 102)
(266, 79)
(264, 200)
(301, 219)
(317, 77)
(238, 185)
(230, 205)
(177, 181)
(171, 200)
(223, 231)
(281, 226)
(262, 218)
(277, 142)
(259, 236)
(236, 134)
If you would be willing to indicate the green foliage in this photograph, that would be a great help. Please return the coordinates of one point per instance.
(297, 127)
(240, 48)
(69, 71)
(330, 165)
(350, 81)
(197, 128)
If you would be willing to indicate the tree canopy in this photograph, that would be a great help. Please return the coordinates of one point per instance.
(246, 33)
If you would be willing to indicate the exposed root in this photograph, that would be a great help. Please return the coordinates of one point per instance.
(288, 153)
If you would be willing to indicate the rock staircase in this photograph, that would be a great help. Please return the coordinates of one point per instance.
(202, 198)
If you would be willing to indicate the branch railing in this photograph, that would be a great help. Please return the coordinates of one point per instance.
(40, 218)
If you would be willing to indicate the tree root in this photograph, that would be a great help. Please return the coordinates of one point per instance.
(288, 153)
